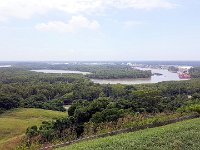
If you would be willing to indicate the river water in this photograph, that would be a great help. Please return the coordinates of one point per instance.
(5, 66)
(61, 71)
(166, 76)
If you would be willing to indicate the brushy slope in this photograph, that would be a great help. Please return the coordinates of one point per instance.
(14, 123)
(183, 135)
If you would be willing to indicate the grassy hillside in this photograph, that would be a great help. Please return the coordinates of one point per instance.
(13, 124)
(179, 136)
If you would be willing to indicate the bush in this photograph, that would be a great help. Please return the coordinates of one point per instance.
(195, 108)
(9, 102)
(107, 115)
(32, 131)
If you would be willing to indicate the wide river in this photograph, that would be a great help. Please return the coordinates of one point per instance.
(166, 76)
(5, 66)
(61, 71)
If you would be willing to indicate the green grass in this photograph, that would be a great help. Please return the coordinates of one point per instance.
(13, 124)
(183, 135)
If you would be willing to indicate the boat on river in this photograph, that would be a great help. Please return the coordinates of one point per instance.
(184, 75)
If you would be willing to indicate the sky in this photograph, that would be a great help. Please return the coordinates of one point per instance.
(99, 30)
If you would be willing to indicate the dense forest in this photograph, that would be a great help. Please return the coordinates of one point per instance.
(118, 72)
(195, 72)
(22, 88)
(99, 71)
(91, 104)
(173, 69)
(108, 71)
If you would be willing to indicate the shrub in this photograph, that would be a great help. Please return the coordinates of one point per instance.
(32, 131)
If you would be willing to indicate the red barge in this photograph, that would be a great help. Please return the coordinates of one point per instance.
(184, 75)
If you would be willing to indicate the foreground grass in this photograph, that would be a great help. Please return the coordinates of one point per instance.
(13, 124)
(183, 135)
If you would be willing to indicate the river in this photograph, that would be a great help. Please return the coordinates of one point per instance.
(5, 66)
(62, 71)
(166, 76)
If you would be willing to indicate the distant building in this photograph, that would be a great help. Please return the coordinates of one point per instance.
(184, 68)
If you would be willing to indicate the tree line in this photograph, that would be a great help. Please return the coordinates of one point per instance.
(103, 71)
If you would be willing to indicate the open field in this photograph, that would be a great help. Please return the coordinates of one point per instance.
(179, 136)
(13, 124)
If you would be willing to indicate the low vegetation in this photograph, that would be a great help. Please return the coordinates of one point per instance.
(179, 136)
(13, 124)
(104, 115)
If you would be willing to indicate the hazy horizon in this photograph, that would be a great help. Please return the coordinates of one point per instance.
(99, 30)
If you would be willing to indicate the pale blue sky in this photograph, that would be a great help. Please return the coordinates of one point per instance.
(40, 30)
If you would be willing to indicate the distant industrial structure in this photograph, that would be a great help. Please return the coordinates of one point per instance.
(182, 71)
(184, 68)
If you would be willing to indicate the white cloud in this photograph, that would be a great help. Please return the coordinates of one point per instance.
(27, 8)
(76, 23)
(130, 24)
(143, 4)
